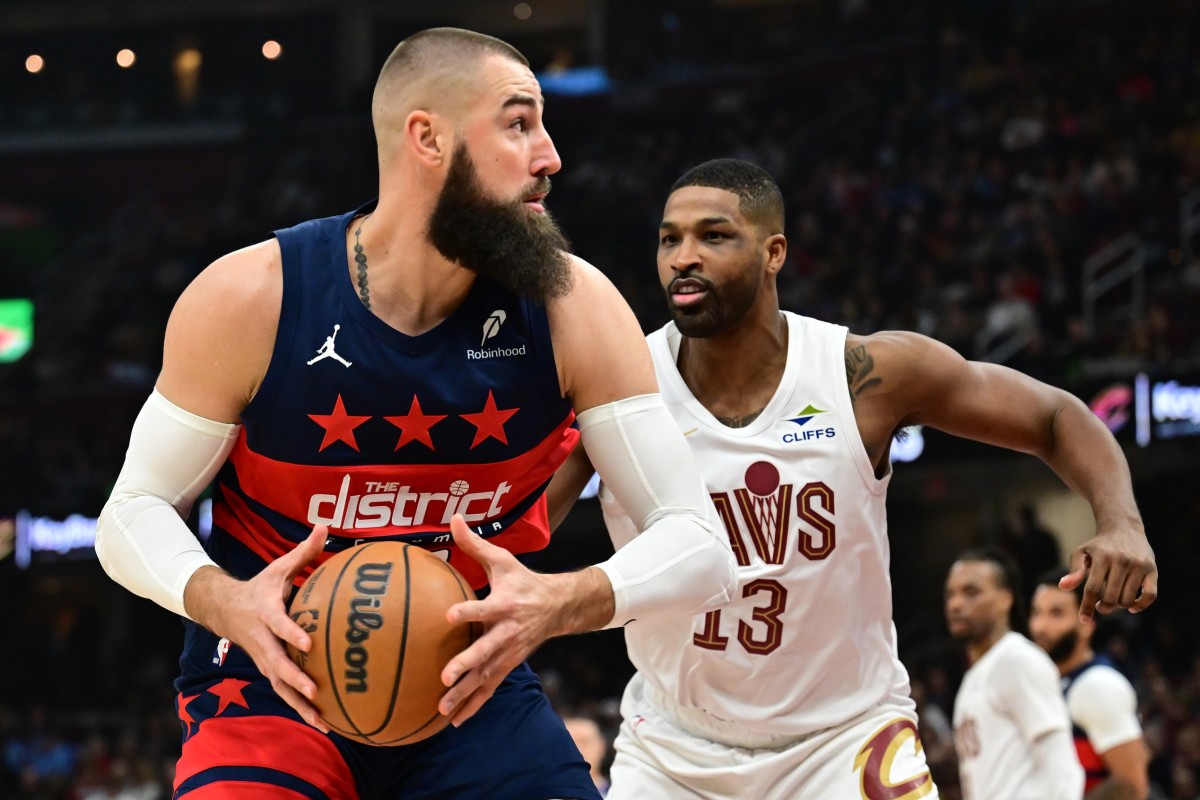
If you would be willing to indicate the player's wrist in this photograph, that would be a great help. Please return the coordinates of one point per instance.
(585, 601)
(206, 594)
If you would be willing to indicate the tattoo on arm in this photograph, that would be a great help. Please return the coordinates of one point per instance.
(859, 366)
(739, 422)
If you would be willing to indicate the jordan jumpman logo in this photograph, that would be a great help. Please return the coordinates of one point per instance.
(326, 350)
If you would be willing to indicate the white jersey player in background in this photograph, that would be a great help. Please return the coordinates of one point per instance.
(1100, 700)
(1011, 728)
(794, 689)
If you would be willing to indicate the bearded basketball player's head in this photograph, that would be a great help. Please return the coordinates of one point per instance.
(458, 124)
(720, 247)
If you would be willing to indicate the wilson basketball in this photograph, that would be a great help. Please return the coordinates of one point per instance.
(376, 614)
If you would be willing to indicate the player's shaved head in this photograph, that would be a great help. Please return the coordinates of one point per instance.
(759, 198)
(435, 70)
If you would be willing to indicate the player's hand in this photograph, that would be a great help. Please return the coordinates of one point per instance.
(517, 615)
(252, 615)
(1120, 571)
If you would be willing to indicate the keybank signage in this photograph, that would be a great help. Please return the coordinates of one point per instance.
(1175, 408)
(1158, 409)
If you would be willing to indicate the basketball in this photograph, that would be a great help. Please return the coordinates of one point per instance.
(376, 614)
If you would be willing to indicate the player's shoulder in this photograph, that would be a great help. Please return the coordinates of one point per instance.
(1100, 681)
(241, 280)
(1018, 652)
(892, 346)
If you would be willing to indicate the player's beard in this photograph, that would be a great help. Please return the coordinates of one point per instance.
(1064, 648)
(724, 306)
(503, 240)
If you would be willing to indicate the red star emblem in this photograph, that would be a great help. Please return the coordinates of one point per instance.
(414, 426)
(489, 423)
(339, 426)
(184, 716)
(229, 691)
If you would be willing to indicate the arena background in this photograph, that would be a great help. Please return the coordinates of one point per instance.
(1018, 178)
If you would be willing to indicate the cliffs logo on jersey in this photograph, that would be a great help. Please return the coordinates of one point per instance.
(491, 328)
(379, 504)
(801, 419)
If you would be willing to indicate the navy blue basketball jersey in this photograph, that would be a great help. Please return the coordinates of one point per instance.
(382, 435)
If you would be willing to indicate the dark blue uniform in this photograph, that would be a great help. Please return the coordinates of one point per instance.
(381, 435)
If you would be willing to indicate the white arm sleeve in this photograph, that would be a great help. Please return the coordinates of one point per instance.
(141, 538)
(679, 565)
(1056, 769)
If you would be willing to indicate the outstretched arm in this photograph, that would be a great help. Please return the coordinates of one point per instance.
(915, 380)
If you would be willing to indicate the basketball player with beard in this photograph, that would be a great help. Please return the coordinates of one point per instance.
(794, 688)
(1100, 700)
(413, 370)
(1011, 729)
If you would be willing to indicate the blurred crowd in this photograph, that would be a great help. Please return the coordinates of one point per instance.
(949, 177)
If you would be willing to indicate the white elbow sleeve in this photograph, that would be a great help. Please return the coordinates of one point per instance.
(141, 539)
(680, 564)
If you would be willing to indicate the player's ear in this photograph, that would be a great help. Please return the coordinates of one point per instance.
(775, 250)
(424, 135)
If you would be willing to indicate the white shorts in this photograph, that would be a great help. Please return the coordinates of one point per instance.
(876, 756)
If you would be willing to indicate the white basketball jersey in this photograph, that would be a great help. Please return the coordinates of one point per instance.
(808, 642)
(1008, 698)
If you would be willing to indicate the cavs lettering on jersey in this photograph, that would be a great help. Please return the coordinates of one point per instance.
(1103, 708)
(808, 642)
(381, 435)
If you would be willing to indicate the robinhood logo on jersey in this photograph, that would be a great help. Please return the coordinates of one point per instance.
(802, 419)
(491, 327)
(378, 504)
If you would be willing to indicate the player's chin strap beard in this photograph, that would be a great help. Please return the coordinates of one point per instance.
(360, 258)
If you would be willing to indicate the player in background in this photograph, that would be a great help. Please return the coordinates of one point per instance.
(397, 372)
(794, 689)
(1011, 728)
(593, 745)
(1100, 700)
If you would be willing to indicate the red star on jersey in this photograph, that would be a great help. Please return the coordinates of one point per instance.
(339, 426)
(184, 716)
(229, 691)
(414, 426)
(489, 423)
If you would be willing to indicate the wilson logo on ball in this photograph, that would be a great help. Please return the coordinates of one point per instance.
(370, 584)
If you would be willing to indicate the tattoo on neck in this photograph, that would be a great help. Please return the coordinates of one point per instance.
(739, 422)
(859, 366)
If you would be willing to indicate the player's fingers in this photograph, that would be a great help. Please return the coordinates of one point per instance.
(462, 688)
(302, 554)
(466, 661)
(286, 629)
(1079, 568)
(1093, 590)
(474, 545)
(1115, 572)
(302, 706)
(283, 669)
(1131, 587)
(472, 611)
(1149, 592)
(473, 704)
